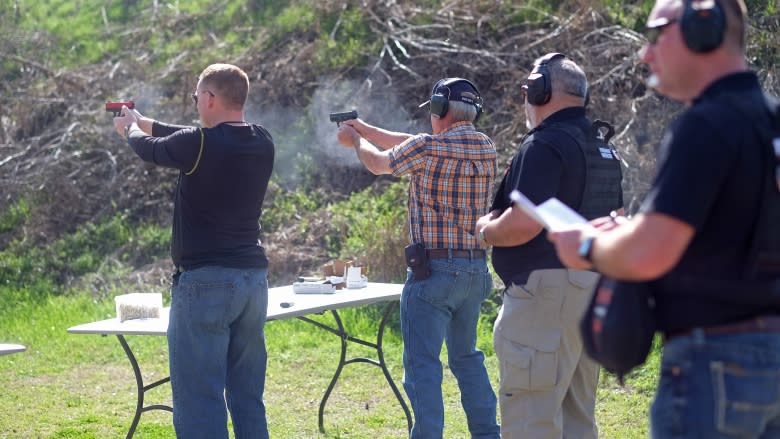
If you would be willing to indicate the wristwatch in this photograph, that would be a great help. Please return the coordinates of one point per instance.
(585, 251)
(482, 236)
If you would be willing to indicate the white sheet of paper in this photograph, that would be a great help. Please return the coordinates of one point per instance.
(552, 214)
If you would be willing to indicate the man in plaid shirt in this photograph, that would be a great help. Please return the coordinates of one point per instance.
(451, 180)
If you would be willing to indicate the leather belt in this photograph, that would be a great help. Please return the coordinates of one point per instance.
(440, 253)
(758, 324)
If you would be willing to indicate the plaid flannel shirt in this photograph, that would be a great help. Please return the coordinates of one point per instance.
(452, 177)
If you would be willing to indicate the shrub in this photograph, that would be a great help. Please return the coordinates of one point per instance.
(372, 228)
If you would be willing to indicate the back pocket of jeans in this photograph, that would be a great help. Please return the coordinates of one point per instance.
(744, 399)
(211, 303)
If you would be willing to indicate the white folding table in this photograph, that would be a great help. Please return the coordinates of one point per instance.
(283, 303)
(6, 348)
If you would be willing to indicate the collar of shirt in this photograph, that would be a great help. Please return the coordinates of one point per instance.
(733, 83)
(564, 115)
(458, 126)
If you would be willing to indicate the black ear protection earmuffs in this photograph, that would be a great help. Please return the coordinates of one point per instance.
(538, 85)
(442, 93)
(703, 25)
(440, 103)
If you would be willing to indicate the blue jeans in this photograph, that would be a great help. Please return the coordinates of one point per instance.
(446, 307)
(217, 352)
(718, 387)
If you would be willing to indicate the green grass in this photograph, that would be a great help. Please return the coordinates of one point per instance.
(81, 386)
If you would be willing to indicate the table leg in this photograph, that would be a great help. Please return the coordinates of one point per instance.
(339, 331)
(139, 380)
(383, 365)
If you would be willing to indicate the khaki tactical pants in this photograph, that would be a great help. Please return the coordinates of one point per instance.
(548, 383)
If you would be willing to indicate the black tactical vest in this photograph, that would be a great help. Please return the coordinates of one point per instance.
(603, 175)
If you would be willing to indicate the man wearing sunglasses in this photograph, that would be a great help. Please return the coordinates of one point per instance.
(451, 178)
(219, 294)
(547, 383)
(706, 236)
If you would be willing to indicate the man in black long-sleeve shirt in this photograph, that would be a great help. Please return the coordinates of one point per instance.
(220, 290)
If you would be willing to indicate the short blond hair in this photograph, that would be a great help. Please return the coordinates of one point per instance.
(227, 81)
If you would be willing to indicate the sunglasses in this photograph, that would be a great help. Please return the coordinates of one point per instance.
(653, 32)
(195, 95)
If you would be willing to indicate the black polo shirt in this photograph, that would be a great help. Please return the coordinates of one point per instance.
(220, 192)
(709, 176)
(549, 163)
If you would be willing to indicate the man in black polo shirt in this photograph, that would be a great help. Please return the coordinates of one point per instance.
(720, 373)
(547, 383)
(220, 290)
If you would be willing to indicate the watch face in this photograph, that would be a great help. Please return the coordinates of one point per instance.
(585, 248)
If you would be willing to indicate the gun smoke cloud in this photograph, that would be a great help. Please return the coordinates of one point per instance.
(302, 134)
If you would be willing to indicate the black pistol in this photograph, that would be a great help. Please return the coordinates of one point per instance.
(344, 116)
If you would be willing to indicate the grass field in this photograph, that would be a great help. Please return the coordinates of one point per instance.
(81, 386)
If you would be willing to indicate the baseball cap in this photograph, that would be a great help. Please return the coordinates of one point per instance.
(456, 89)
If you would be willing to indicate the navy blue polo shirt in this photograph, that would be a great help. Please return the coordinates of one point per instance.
(549, 163)
(710, 177)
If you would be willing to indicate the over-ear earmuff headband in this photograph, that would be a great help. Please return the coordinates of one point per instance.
(538, 84)
(439, 102)
(703, 25)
